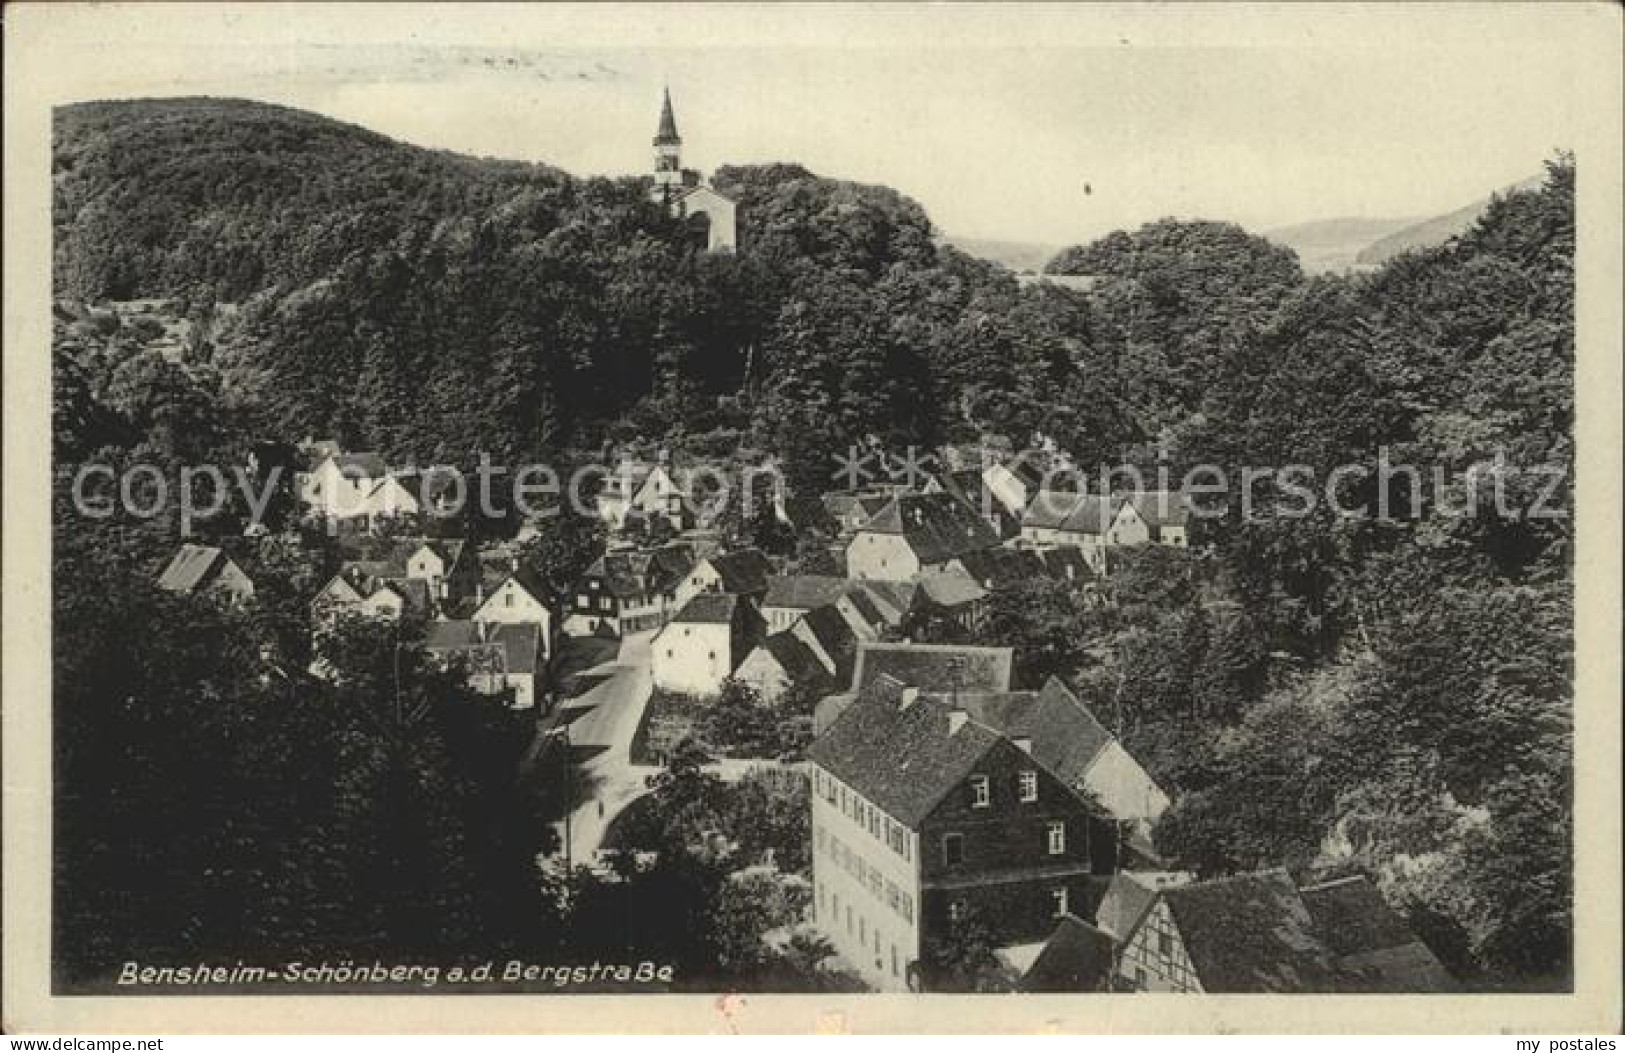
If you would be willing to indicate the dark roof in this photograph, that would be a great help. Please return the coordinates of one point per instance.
(191, 567)
(618, 572)
(1066, 738)
(1077, 957)
(669, 564)
(1375, 948)
(1024, 469)
(1251, 933)
(1002, 568)
(1058, 559)
(896, 597)
(636, 572)
(368, 576)
(842, 503)
(797, 659)
(937, 527)
(516, 644)
(431, 486)
(863, 602)
(370, 465)
(448, 549)
(716, 608)
(835, 636)
(667, 133)
(805, 591)
(532, 582)
(932, 667)
(415, 591)
(742, 572)
(903, 759)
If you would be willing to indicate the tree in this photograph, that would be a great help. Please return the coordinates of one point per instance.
(964, 958)
(1046, 621)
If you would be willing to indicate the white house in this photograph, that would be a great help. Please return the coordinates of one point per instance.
(704, 643)
(1159, 516)
(445, 564)
(781, 661)
(340, 484)
(641, 491)
(389, 499)
(353, 591)
(1013, 484)
(915, 532)
(742, 572)
(520, 599)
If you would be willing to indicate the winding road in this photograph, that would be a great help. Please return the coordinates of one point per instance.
(601, 723)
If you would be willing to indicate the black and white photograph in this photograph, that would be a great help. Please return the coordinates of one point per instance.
(828, 500)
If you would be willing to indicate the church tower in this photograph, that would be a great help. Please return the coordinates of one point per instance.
(710, 215)
(668, 146)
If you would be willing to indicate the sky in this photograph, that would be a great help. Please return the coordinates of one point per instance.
(1047, 123)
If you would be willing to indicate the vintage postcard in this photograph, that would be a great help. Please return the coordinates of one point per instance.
(874, 518)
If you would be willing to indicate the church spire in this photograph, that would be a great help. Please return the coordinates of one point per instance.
(667, 135)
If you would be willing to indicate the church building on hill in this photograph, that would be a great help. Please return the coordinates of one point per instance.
(707, 212)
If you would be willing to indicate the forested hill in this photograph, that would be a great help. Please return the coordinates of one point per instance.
(222, 198)
(429, 304)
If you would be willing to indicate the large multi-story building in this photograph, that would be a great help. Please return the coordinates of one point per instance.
(923, 815)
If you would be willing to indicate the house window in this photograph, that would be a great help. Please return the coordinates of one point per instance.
(1057, 838)
(894, 959)
(1165, 943)
(584, 602)
(956, 911)
(1057, 898)
(1029, 786)
(953, 850)
(507, 598)
(668, 652)
(979, 795)
(1139, 978)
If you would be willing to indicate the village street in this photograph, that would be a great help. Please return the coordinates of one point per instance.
(602, 721)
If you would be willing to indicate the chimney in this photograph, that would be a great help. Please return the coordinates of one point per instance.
(1024, 744)
(910, 696)
(956, 720)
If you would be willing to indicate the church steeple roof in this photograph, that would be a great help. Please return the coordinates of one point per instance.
(668, 124)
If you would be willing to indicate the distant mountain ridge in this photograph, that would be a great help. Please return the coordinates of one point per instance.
(1354, 242)
(1435, 231)
(1017, 255)
(1335, 244)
